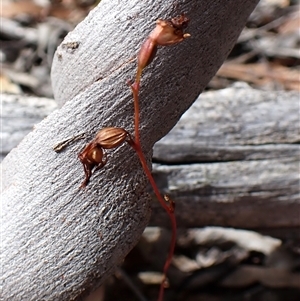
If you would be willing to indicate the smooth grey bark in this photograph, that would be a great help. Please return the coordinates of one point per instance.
(59, 242)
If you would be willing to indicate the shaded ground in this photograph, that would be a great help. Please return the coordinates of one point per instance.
(266, 54)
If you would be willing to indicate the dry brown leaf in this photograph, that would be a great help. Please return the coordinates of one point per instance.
(7, 86)
(13, 9)
(292, 24)
(262, 74)
(65, 10)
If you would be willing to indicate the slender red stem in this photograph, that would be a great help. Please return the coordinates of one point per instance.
(168, 207)
(135, 91)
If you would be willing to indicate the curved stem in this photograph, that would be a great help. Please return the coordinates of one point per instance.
(136, 145)
(168, 208)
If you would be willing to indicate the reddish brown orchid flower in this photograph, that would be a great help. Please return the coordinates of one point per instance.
(94, 155)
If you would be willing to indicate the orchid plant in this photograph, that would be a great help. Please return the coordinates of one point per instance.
(93, 157)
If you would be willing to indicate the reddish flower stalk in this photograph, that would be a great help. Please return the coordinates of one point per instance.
(135, 92)
(168, 206)
(166, 32)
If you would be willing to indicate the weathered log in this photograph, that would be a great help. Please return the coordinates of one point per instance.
(59, 242)
(19, 114)
(233, 160)
(224, 158)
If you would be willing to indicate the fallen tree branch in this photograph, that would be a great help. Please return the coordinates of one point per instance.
(232, 160)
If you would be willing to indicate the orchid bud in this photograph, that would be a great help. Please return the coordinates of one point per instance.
(111, 137)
